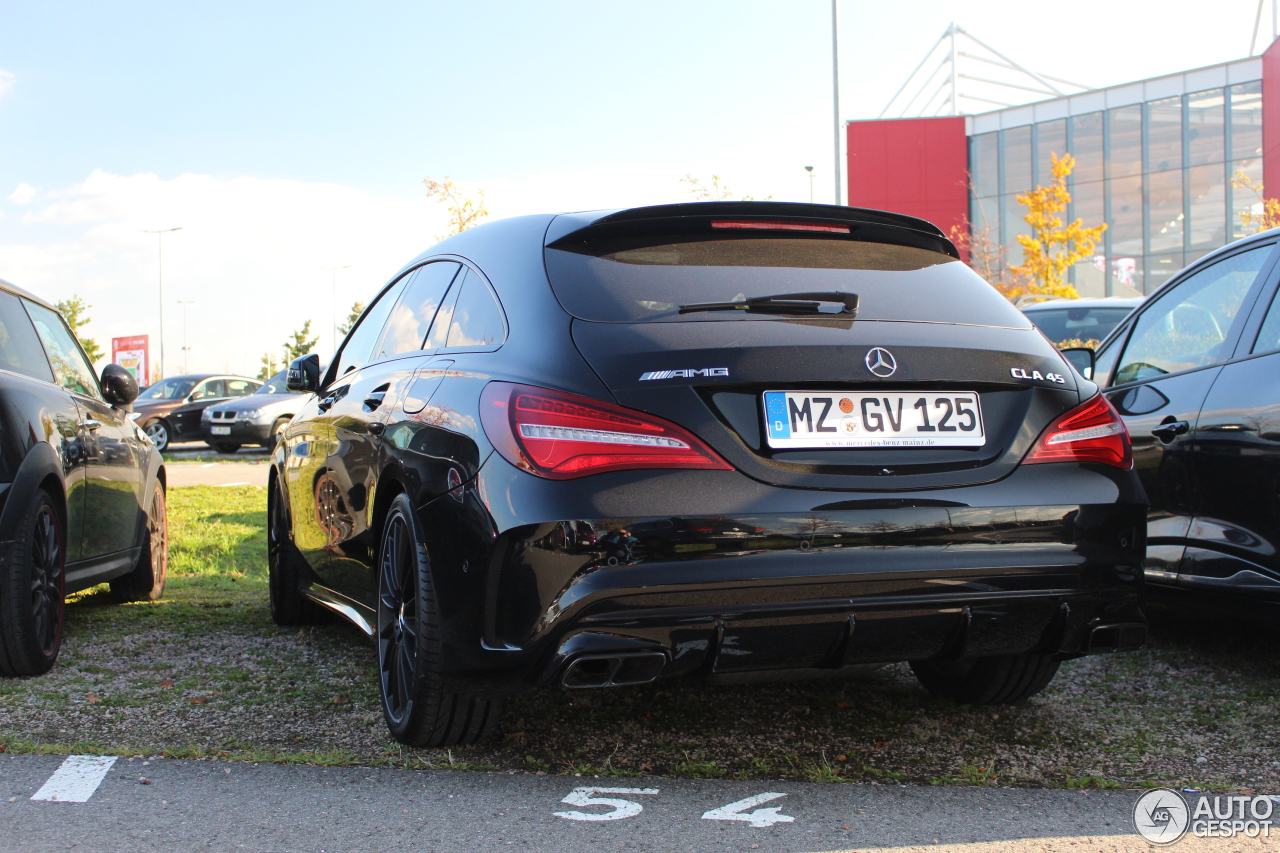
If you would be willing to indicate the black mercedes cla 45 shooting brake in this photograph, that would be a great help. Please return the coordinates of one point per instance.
(729, 440)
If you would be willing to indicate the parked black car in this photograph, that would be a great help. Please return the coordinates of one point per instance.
(1195, 373)
(734, 440)
(170, 409)
(82, 490)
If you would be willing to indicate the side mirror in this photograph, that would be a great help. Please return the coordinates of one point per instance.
(304, 374)
(119, 386)
(1081, 358)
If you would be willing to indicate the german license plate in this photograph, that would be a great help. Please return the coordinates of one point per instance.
(880, 419)
(220, 430)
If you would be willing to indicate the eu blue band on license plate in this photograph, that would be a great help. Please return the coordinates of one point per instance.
(818, 419)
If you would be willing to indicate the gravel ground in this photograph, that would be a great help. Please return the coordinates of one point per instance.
(205, 673)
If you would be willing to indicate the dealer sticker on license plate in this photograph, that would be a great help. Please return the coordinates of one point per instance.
(220, 430)
(880, 419)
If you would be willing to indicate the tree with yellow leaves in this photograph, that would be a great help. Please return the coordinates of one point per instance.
(464, 211)
(716, 192)
(1262, 216)
(1052, 248)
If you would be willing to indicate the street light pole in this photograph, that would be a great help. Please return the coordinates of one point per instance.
(160, 273)
(809, 169)
(186, 368)
(334, 274)
(835, 89)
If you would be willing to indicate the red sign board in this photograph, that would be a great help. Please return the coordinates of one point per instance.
(133, 355)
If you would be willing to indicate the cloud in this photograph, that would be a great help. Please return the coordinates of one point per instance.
(6, 82)
(23, 194)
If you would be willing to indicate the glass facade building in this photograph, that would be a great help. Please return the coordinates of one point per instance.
(1158, 172)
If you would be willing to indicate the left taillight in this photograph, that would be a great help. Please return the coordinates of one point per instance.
(560, 436)
(1091, 432)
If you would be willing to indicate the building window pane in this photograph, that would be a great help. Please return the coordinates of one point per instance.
(1051, 138)
(1126, 275)
(1014, 221)
(1125, 140)
(1160, 268)
(1087, 206)
(984, 164)
(1206, 185)
(1126, 216)
(1164, 135)
(1086, 147)
(1205, 141)
(984, 215)
(1164, 211)
(1089, 277)
(1246, 120)
(1243, 199)
(1016, 147)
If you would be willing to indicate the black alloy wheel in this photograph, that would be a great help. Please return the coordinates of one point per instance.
(32, 582)
(146, 581)
(158, 432)
(289, 605)
(420, 707)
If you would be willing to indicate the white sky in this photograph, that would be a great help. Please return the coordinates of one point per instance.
(288, 137)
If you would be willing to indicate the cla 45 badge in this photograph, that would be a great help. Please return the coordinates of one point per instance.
(1037, 376)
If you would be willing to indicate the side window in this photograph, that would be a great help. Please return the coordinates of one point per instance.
(70, 369)
(477, 319)
(210, 389)
(356, 349)
(1190, 325)
(240, 387)
(20, 349)
(407, 327)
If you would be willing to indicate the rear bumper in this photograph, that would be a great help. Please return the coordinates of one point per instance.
(828, 587)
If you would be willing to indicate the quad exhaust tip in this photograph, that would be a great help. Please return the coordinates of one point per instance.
(1124, 637)
(613, 670)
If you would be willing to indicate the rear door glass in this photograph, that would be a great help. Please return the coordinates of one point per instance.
(406, 328)
(477, 319)
(20, 350)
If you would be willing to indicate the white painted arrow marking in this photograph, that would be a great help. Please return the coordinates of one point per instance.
(77, 779)
(759, 817)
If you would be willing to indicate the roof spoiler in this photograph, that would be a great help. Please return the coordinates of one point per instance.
(877, 226)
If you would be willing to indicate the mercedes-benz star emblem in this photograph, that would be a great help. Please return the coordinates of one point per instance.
(881, 362)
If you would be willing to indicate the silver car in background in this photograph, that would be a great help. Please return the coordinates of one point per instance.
(256, 419)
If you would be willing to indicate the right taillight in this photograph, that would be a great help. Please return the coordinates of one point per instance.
(560, 436)
(1091, 432)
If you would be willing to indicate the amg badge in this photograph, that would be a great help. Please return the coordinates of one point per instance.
(684, 374)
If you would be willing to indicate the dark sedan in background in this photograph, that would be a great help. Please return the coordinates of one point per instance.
(170, 410)
(729, 440)
(1195, 373)
(82, 490)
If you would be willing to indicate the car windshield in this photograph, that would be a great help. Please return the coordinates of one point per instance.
(168, 389)
(275, 385)
(1078, 324)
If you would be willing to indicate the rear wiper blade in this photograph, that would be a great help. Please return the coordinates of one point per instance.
(797, 304)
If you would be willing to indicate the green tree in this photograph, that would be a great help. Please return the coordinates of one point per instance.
(75, 311)
(300, 343)
(269, 367)
(356, 310)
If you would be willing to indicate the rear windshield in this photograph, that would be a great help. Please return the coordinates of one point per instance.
(647, 279)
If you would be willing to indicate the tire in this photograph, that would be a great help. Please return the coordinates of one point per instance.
(146, 581)
(225, 446)
(999, 680)
(159, 433)
(285, 575)
(32, 583)
(420, 707)
(277, 432)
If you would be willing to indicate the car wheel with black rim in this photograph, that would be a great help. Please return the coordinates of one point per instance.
(146, 581)
(32, 581)
(420, 707)
(285, 576)
(159, 433)
(997, 680)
